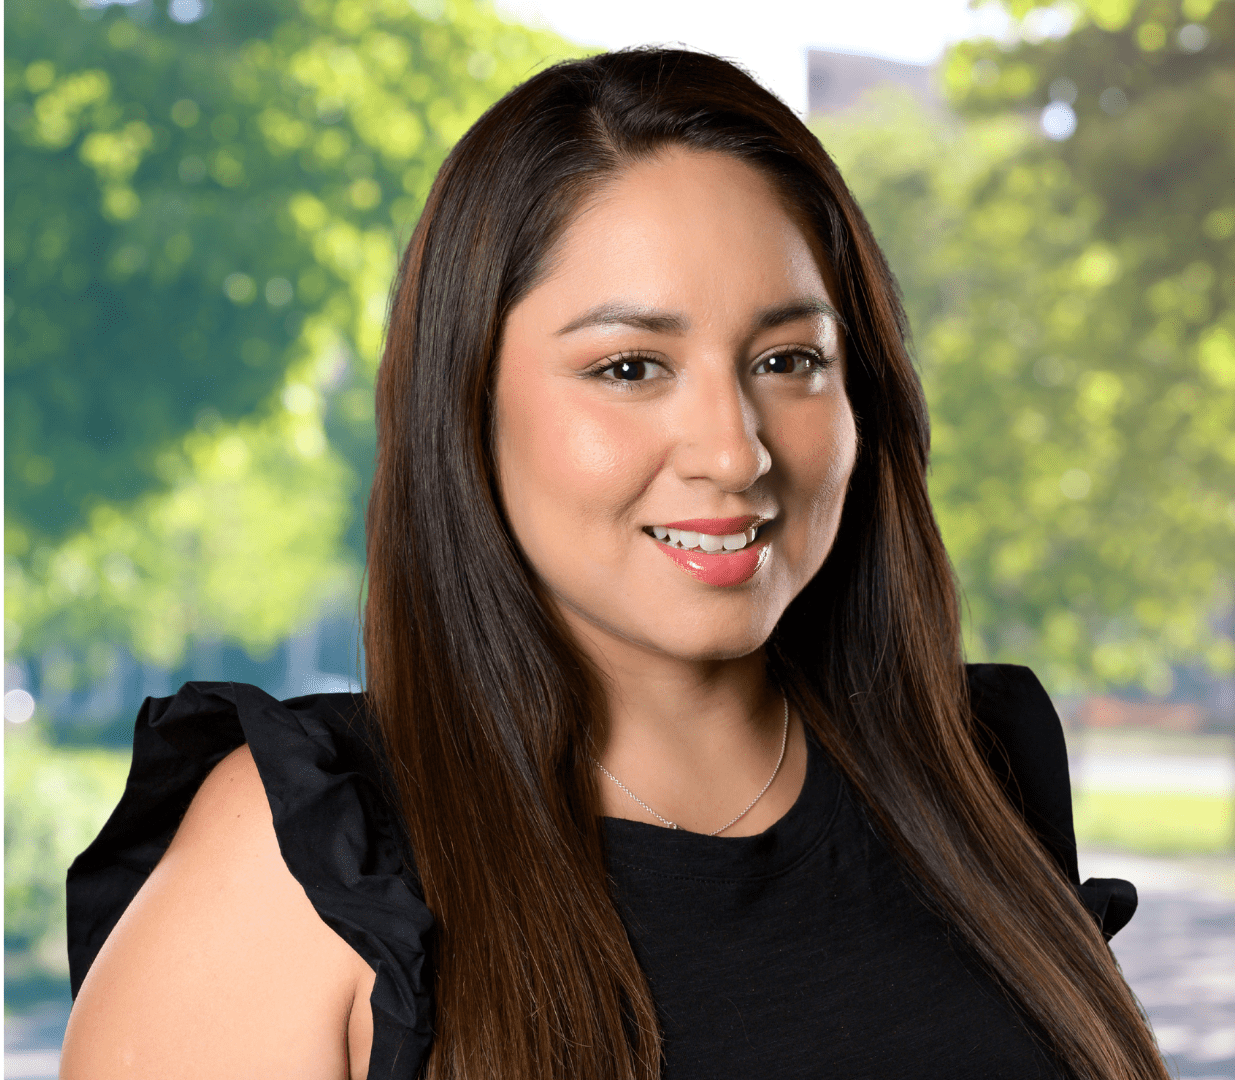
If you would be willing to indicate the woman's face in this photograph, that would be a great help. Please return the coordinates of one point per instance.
(676, 384)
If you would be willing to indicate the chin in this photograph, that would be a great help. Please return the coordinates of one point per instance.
(687, 626)
(704, 643)
(720, 651)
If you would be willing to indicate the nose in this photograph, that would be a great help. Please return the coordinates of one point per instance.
(718, 434)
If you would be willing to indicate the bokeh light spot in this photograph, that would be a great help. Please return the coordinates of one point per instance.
(1192, 37)
(1075, 483)
(185, 113)
(18, 706)
(1058, 121)
(239, 288)
(278, 292)
(186, 11)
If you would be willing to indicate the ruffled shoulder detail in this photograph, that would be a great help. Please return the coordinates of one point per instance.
(1020, 733)
(336, 823)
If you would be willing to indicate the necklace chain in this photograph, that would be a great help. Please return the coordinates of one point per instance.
(784, 740)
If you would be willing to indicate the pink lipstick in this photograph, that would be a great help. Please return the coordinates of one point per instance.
(718, 526)
(735, 568)
(702, 555)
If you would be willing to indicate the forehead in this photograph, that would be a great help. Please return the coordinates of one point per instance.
(703, 233)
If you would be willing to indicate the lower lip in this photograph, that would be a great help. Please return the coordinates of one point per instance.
(735, 568)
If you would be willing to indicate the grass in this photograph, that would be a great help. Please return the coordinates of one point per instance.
(1155, 823)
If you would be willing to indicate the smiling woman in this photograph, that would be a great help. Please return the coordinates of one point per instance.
(692, 428)
(705, 394)
(668, 763)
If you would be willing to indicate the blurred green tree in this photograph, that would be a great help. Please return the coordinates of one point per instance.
(55, 802)
(1073, 304)
(203, 221)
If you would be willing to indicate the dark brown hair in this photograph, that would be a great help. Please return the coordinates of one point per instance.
(487, 707)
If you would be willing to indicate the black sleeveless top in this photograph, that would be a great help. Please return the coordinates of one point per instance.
(801, 951)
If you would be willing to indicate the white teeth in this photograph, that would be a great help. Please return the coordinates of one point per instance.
(687, 540)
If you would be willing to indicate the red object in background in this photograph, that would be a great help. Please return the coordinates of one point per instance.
(1108, 712)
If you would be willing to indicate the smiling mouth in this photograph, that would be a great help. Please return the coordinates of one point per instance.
(688, 540)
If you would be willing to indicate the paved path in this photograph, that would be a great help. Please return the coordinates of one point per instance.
(1178, 954)
(1193, 774)
(32, 1042)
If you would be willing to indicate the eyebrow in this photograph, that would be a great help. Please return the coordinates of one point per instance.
(668, 322)
(801, 308)
(641, 318)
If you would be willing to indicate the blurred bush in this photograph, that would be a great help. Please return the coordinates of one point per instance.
(1073, 308)
(202, 224)
(55, 802)
(203, 221)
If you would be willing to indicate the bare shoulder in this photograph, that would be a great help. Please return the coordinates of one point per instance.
(221, 965)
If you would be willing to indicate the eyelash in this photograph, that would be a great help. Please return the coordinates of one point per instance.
(816, 360)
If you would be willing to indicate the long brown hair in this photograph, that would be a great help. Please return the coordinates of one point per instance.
(487, 707)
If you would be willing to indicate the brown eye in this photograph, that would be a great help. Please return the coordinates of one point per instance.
(788, 363)
(635, 369)
(630, 370)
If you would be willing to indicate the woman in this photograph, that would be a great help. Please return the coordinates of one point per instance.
(668, 762)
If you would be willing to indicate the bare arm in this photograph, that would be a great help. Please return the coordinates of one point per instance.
(221, 966)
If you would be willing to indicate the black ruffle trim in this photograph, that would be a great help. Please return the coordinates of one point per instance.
(333, 817)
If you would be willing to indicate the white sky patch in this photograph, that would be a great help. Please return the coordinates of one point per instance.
(769, 38)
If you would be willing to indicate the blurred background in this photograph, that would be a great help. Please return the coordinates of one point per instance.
(204, 205)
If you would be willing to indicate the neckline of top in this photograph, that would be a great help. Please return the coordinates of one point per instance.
(639, 845)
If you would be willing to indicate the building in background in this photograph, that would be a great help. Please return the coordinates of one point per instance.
(324, 658)
(836, 81)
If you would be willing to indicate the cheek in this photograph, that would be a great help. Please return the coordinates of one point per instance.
(567, 463)
(593, 451)
(822, 459)
(838, 464)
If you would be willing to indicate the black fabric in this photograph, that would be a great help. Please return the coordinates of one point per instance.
(803, 952)
(1112, 900)
(774, 955)
(329, 799)
(1022, 737)
(1024, 744)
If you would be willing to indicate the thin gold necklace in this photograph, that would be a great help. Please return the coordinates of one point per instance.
(784, 741)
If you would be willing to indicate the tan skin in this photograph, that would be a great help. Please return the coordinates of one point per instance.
(221, 966)
(698, 272)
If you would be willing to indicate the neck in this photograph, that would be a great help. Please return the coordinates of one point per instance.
(694, 739)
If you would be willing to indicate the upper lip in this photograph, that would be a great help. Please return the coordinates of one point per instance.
(719, 526)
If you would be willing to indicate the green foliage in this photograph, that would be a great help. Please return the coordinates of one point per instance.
(1155, 823)
(202, 226)
(203, 222)
(55, 802)
(1074, 314)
